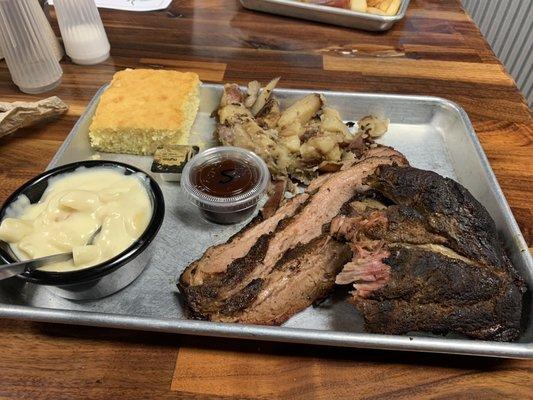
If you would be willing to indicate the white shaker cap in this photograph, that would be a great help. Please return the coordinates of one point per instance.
(82, 30)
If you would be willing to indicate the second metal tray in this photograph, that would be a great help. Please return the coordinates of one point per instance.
(328, 15)
(433, 133)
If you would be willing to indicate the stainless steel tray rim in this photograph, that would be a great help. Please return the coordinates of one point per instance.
(305, 334)
(273, 333)
(345, 12)
(329, 15)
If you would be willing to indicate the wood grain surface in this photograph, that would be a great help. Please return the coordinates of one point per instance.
(436, 50)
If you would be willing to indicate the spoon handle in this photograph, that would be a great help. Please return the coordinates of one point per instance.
(9, 270)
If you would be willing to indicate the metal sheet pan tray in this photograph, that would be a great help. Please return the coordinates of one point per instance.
(328, 15)
(433, 133)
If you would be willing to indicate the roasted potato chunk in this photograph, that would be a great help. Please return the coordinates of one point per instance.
(294, 128)
(373, 126)
(302, 110)
(324, 144)
(232, 113)
(300, 142)
(264, 96)
(269, 115)
(334, 154)
(292, 143)
(331, 122)
(253, 91)
(309, 153)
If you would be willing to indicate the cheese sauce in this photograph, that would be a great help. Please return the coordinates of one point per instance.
(73, 207)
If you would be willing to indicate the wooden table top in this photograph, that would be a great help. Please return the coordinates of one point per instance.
(437, 50)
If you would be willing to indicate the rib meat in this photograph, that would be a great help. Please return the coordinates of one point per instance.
(430, 262)
(281, 265)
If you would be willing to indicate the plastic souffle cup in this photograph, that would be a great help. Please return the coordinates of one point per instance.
(225, 183)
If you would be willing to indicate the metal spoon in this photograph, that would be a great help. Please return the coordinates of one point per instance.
(9, 270)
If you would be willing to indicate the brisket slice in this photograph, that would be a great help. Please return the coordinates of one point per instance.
(302, 276)
(217, 258)
(241, 280)
(432, 262)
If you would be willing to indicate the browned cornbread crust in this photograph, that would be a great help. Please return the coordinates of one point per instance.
(143, 109)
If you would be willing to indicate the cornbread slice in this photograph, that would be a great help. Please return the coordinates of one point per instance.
(143, 109)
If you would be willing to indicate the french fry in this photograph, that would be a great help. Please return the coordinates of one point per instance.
(394, 7)
(358, 5)
(374, 10)
(379, 7)
(384, 5)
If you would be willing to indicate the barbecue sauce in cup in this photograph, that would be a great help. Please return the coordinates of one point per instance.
(226, 183)
(225, 178)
